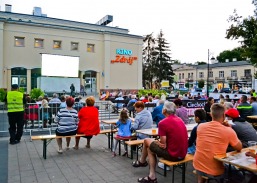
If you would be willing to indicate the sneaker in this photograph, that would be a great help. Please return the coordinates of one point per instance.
(67, 148)
(161, 165)
(60, 151)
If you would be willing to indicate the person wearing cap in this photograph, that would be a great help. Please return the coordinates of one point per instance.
(15, 101)
(244, 130)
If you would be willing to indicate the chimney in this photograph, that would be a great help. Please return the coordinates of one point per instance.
(8, 8)
(227, 60)
(234, 60)
(37, 11)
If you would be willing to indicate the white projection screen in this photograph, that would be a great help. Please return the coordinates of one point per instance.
(59, 65)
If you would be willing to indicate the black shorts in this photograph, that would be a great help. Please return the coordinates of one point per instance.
(65, 134)
(88, 137)
(160, 152)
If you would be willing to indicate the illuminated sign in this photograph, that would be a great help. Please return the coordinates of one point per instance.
(123, 52)
(124, 56)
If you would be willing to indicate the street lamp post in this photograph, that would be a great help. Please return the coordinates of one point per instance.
(208, 70)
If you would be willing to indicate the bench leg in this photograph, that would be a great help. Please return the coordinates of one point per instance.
(119, 141)
(165, 171)
(44, 148)
(131, 152)
(183, 172)
(109, 144)
(173, 173)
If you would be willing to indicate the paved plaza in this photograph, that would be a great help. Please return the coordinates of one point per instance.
(23, 163)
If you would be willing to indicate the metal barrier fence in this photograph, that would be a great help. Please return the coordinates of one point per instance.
(36, 117)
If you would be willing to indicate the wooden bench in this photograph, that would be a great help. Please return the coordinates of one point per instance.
(48, 138)
(188, 158)
(125, 139)
(136, 143)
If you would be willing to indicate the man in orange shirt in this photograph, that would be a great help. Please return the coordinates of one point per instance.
(213, 138)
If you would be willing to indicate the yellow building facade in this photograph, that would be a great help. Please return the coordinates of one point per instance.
(109, 57)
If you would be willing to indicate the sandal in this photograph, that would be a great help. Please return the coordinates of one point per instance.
(139, 164)
(147, 180)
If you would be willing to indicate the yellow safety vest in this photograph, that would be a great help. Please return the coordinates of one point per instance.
(15, 101)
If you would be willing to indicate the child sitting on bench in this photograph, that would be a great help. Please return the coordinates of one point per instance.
(124, 124)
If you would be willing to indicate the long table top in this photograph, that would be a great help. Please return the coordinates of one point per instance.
(239, 159)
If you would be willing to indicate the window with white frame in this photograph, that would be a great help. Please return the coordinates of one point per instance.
(19, 41)
(234, 73)
(247, 72)
(182, 75)
(192, 75)
(211, 74)
(188, 75)
(201, 75)
(221, 74)
(179, 76)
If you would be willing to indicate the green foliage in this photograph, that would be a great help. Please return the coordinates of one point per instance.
(2, 94)
(187, 85)
(235, 53)
(156, 61)
(201, 63)
(245, 30)
(36, 92)
(201, 83)
(154, 92)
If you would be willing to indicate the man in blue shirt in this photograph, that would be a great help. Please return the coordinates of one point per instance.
(157, 113)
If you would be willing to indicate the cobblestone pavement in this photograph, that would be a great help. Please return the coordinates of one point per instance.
(25, 164)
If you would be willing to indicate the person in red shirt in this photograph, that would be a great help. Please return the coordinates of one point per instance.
(145, 99)
(172, 145)
(88, 122)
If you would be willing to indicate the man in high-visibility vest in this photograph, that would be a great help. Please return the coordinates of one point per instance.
(15, 101)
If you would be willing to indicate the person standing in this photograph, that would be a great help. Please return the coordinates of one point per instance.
(15, 101)
(207, 108)
(72, 89)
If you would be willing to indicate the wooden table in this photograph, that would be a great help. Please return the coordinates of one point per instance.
(239, 159)
(252, 120)
(154, 135)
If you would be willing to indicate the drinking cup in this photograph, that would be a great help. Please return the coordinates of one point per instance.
(252, 146)
(154, 131)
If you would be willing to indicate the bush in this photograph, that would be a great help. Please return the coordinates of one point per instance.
(154, 92)
(36, 92)
(201, 83)
(2, 94)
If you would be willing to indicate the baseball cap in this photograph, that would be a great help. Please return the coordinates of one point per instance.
(233, 113)
(15, 86)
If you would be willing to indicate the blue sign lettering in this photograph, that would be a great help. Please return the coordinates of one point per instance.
(123, 52)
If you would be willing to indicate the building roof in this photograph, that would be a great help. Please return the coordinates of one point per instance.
(225, 64)
(42, 21)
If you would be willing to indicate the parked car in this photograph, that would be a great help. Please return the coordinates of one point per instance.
(225, 90)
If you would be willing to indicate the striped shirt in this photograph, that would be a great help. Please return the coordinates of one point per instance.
(67, 120)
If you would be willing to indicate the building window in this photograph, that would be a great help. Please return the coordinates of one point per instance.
(39, 43)
(188, 75)
(247, 72)
(74, 46)
(179, 76)
(201, 75)
(181, 85)
(192, 75)
(182, 75)
(90, 48)
(19, 41)
(234, 73)
(221, 74)
(57, 45)
(211, 74)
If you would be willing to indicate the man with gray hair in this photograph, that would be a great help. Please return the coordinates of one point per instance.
(55, 99)
(172, 145)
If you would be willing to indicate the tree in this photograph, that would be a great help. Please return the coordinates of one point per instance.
(163, 64)
(201, 63)
(245, 30)
(201, 83)
(230, 54)
(148, 60)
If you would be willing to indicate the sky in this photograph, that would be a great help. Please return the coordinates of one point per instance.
(191, 27)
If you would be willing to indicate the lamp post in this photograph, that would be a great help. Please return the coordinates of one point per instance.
(208, 71)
